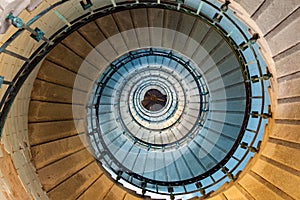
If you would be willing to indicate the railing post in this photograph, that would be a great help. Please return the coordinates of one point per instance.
(244, 45)
(224, 7)
(244, 145)
(228, 174)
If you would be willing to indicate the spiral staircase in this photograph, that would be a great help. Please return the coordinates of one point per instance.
(76, 127)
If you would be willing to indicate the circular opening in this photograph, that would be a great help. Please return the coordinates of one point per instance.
(154, 100)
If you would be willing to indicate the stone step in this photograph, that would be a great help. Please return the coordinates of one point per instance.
(257, 189)
(59, 171)
(50, 131)
(44, 111)
(278, 177)
(73, 187)
(47, 153)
